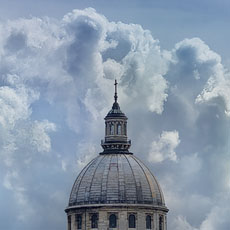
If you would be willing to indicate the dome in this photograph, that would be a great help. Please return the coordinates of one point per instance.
(115, 111)
(116, 179)
(116, 190)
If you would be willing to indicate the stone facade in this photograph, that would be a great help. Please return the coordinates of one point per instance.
(122, 214)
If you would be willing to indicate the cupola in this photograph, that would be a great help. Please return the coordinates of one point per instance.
(116, 140)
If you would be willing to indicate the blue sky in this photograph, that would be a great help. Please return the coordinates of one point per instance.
(58, 62)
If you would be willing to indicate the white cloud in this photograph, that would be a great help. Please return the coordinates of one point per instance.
(20, 139)
(14, 105)
(40, 137)
(88, 151)
(112, 69)
(182, 224)
(200, 67)
(217, 87)
(218, 218)
(164, 148)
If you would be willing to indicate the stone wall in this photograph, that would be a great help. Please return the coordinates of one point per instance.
(122, 214)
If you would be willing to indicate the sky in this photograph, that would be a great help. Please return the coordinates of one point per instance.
(58, 62)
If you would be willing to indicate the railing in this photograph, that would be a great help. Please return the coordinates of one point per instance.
(116, 142)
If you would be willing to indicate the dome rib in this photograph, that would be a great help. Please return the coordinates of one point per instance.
(92, 180)
(121, 180)
(77, 185)
(105, 181)
(112, 182)
(133, 177)
(82, 189)
(154, 188)
(131, 196)
(146, 178)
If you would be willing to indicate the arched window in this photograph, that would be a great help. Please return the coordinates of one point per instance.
(161, 223)
(119, 129)
(112, 221)
(94, 221)
(148, 222)
(78, 219)
(106, 129)
(132, 221)
(111, 129)
(125, 127)
(69, 222)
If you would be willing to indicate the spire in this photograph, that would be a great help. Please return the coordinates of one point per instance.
(115, 95)
(115, 104)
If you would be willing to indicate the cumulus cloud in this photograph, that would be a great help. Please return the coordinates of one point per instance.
(39, 134)
(217, 90)
(164, 148)
(56, 86)
(20, 139)
(182, 224)
(217, 218)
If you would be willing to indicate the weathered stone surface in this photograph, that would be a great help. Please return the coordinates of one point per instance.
(122, 217)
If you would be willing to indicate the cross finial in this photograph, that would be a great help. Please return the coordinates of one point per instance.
(115, 95)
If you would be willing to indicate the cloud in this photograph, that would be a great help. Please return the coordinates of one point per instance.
(217, 218)
(182, 224)
(216, 90)
(164, 148)
(40, 138)
(56, 86)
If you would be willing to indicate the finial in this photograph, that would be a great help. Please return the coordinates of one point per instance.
(115, 95)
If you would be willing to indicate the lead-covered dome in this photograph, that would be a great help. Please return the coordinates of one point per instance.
(116, 179)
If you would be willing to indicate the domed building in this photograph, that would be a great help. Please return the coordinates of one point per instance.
(116, 191)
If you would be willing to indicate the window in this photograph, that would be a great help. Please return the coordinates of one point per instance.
(132, 221)
(112, 221)
(106, 129)
(161, 223)
(94, 221)
(148, 222)
(119, 129)
(125, 127)
(69, 222)
(78, 219)
(111, 127)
